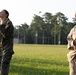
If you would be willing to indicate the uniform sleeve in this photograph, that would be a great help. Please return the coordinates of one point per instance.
(2, 30)
(7, 30)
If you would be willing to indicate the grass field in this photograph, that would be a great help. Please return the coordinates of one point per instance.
(39, 60)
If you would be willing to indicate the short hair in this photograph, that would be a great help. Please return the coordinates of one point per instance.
(7, 13)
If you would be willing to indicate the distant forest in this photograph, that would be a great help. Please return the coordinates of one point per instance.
(45, 29)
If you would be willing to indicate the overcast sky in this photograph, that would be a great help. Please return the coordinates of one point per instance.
(23, 10)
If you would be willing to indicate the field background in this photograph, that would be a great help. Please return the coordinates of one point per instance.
(39, 60)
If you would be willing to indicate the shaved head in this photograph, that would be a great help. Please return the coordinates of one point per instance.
(4, 14)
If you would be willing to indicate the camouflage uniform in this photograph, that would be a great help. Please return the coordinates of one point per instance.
(72, 62)
(0, 50)
(7, 46)
(0, 55)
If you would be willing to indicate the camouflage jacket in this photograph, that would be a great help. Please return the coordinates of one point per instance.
(6, 31)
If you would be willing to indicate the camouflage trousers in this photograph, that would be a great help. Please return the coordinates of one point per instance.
(0, 57)
(5, 63)
(72, 62)
(5, 58)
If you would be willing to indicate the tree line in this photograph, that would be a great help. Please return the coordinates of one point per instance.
(45, 29)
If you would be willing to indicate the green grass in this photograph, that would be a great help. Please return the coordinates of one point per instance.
(39, 60)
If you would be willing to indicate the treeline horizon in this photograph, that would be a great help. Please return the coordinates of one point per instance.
(45, 29)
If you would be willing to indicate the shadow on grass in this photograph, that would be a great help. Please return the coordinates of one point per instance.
(19, 70)
(40, 61)
(23, 70)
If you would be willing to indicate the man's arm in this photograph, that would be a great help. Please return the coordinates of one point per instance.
(7, 29)
(2, 30)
